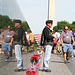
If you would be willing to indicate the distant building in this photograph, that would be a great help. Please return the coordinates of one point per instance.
(11, 9)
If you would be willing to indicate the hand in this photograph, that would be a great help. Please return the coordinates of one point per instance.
(10, 36)
(74, 42)
(55, 37)
(62, 45)
(0, 41)
(10, 44)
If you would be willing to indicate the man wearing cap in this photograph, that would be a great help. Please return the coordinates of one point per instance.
(17, 38)
(47, 42)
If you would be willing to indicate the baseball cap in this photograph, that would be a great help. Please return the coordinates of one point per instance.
(49, 21)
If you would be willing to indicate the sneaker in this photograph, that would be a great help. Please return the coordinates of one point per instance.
(65, 61)
(43, 70)
(18, 70)
(68, 60)
(6, 60)
(46, 70)
(8, 57)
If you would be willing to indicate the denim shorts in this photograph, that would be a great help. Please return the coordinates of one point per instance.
(6, 46)
(67, 48)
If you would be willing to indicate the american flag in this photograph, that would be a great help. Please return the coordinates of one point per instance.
(37, 38)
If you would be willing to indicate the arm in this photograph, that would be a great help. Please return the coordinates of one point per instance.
(49, 37)
(61, 39)
(72, 37)
(73, 40)
(11, 41)
(1, 38)
(62, 42)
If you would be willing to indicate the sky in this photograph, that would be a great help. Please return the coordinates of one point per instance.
(36, 12)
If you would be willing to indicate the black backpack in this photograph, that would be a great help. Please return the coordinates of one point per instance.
(42, 40)
(24, 39)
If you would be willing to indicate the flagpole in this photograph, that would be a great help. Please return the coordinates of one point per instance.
(48, 8)
(51, 11)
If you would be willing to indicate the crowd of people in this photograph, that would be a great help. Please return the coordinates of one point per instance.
(13, 41)
(57, 42)
(53, 42)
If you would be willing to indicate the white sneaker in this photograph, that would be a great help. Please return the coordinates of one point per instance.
(6, 60)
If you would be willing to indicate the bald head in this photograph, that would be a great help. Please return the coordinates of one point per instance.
(66, 29)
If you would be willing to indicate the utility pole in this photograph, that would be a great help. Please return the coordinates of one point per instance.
(51, 11)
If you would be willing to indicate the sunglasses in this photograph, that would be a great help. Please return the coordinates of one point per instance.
(66, 29)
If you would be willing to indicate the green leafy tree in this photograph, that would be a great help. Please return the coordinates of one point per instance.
(62, 24)
(73, 23)
(5, 21)
(25, 25)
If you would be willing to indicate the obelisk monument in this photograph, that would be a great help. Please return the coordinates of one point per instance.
(51, 11)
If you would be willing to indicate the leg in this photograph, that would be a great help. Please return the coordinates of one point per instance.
(53, 48)
(4, 48)
(65, 52)
(11, 51)
(64, 55)
(18, 54)
(47, 55)
(70, 50)
(69, 53)
(74, 52)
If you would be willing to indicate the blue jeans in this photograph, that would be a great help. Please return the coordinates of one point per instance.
(67, 48)
(18, 54)
(72, 49)
(6, 46)
(47, 56)
(11, 50)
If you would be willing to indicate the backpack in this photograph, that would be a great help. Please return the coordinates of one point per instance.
(55, 41)
(24, 39)
(42, 40)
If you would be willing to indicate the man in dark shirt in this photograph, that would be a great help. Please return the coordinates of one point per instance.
(18, 45)
(47, 42)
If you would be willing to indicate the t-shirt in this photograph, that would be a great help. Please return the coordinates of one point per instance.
(66, 37)
(6, 35)
(31, 37)
(57, 34)
(27, 36)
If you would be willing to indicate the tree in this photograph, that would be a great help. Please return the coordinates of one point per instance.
(25, 25)
(62, 24)
(55, 27)
(73, 23)
(5, 21)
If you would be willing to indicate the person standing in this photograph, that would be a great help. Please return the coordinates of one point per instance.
(66, 37)
(47, 41)
(17, 38)
(57, 34)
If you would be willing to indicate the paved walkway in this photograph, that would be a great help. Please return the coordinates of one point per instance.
(7, 68)
(57, 67)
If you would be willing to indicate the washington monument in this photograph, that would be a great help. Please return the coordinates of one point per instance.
(51, 11)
